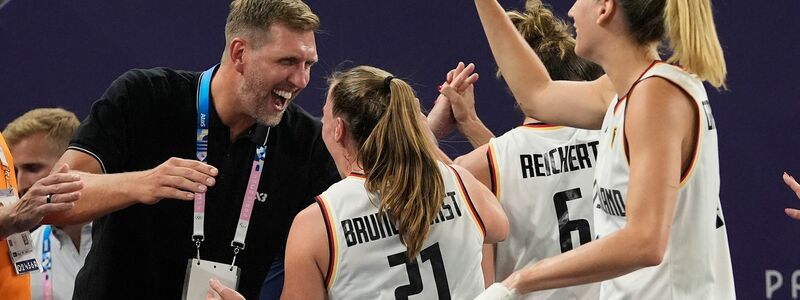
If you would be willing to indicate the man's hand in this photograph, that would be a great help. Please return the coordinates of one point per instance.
(61, 187)
(224, 292)
(792, 184)
(176, 178)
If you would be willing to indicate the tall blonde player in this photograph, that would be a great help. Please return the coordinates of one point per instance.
(400, 223)
(662, 234)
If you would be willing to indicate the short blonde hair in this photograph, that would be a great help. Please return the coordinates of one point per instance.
(57, 124)
(248, 17)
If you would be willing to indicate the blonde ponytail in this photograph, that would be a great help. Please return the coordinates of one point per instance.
(395, 153)
(693, 40)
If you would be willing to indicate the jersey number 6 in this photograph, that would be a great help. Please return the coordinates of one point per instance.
(567, 226)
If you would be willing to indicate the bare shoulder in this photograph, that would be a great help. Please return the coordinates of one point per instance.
(310, 218)
(660, 100)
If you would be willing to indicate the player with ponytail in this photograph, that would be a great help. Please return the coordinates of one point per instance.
(660, 228)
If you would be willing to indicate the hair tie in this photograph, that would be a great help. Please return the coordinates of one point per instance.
(386, 83)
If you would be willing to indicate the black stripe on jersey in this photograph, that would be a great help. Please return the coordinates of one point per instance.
(492, 176)
(331, 250)
(469, 201)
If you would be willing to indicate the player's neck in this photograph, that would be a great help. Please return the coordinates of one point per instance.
(355, 167)
(626, 65)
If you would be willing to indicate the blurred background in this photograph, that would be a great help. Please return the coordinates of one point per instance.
(66, 53)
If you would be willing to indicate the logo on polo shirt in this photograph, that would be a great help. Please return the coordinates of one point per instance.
(261, 197)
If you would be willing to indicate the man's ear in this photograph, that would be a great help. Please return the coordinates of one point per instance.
(236, 53)
(607, 10)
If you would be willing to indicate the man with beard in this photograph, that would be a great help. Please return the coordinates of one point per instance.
(230, 155)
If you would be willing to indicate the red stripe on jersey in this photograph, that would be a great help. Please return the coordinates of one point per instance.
(358, 175)
(492, 170)
(639, 79)
(331, 245)
(469, 201)
(539, 125)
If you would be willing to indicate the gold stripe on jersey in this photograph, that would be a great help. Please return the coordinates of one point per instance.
(494, 171)
(697, 147)
(541, 127)
(698, 143)
(333, 242)
(473, 212)
(613, 137)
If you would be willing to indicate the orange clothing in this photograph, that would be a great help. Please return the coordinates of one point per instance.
(11, 285)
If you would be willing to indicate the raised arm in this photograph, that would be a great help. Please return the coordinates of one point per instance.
(575, 104)
(444, 116)
(460, 93)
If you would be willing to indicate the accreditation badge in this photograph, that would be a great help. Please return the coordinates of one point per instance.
(199, 272)
(20, 245)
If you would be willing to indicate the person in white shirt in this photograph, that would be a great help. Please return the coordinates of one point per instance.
(36, 140)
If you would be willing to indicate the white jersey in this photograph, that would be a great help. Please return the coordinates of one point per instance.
(542, 175)
(697, 262)
(368, 260)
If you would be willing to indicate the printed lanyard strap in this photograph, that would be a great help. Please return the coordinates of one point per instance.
(6, 167)
(204, 90)
(47, 265)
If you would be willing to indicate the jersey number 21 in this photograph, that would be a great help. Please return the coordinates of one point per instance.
(432, 254)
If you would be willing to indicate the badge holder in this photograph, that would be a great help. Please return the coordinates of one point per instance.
(200, 271)
(20, 245)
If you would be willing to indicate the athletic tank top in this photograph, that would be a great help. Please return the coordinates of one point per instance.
(368, 260)
(542, 175)
(697, 262)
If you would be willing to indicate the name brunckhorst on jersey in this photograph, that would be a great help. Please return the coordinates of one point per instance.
(377, 226)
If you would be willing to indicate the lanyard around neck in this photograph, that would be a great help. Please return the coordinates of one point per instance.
(203, 118)
(47, 264)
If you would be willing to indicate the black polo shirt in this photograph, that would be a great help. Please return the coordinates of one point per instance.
(148, 116)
